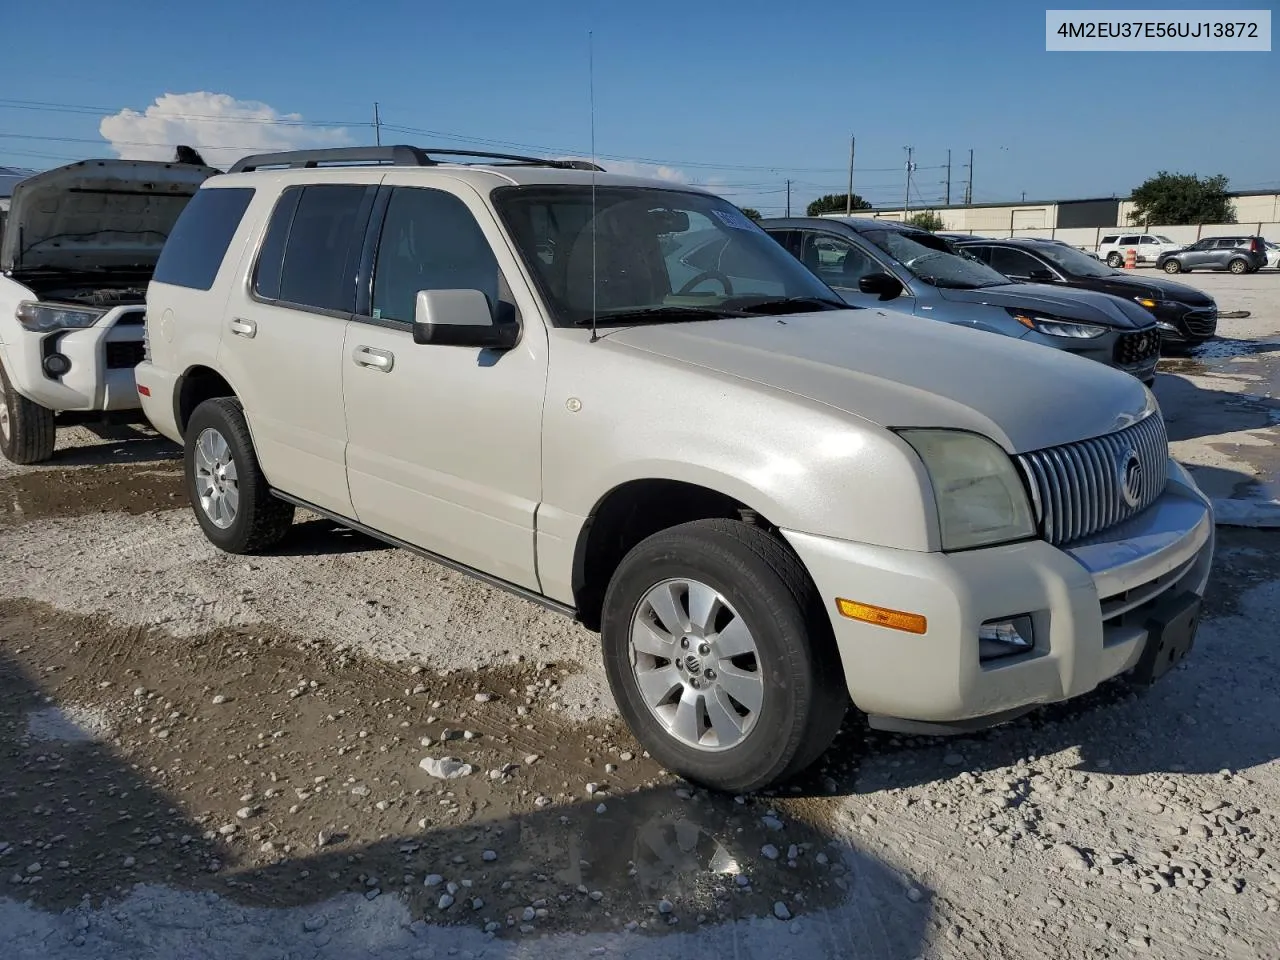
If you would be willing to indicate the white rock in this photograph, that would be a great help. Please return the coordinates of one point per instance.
(592, 789)
(1071, 856)
(780, 911)
(433, 880)
(244, 813)
(529, 914)
(483, 697)
(445, 901)
(665, 906)
(769, 851)
(489, 856)
(914, 894)
(531, 759)
(446, 768)
(219, 699)
(601, 808)
(773, 823)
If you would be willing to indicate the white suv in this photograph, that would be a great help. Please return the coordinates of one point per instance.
(78, 249)
(1147, 247)
(768, 503)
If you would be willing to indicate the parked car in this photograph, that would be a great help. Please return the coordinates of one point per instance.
(76, 254)
(767, 502)
(1273, 254)
(1148, 247)
(1183, 313)
(1236, 254)
(880, 262)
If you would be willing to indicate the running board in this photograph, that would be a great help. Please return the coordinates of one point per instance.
(522, 592)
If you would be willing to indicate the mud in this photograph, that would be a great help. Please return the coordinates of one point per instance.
(72, 492)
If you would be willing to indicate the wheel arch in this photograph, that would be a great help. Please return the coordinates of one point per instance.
(196, 384)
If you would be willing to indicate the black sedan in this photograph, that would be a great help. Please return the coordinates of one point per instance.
(1184, 314)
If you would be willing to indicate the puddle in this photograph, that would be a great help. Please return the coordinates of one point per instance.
(120, 488)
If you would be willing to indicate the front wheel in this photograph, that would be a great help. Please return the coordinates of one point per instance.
(1238, 267)
(720, 655)
(229, 494)
(1172, 266)
(1114, 260)
(27, 430)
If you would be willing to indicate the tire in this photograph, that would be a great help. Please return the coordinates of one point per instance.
(1238, 266)
(220, 467)
(1114, 260)
(1172, 266)
(798, 679)
(27, 430)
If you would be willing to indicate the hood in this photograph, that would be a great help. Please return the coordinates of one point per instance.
(897, 370)
(1158, 288)
(96, 214)
(1088, 306)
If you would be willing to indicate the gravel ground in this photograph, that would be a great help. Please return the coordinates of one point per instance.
(207, 756)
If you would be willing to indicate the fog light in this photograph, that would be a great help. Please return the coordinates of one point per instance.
(1005, 638)
(55, 365)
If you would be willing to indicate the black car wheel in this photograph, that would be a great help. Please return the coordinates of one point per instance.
(1172, 266)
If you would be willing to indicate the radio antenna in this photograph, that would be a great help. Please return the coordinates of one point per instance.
(591, 88)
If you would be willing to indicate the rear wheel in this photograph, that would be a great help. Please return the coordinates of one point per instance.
(1238, 266)
(720, 655)
(230, 496)
(1114, 260)
(1172, 266)
(27, 431)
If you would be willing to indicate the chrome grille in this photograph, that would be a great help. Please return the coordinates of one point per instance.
(1079, 488)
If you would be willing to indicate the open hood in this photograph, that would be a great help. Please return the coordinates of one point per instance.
(96, 214)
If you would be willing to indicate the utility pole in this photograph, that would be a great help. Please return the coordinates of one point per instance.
(848, 204)
(968, 192)
(1024, 196)
(788, 198)
(948, 194)
(377, 125)
(906, 204)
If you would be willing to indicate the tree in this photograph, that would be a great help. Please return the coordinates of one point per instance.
(836, 203)
(751, 212)
(1177, 199)
(926, 220)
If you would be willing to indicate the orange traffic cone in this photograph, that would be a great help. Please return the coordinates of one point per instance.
(1131, 259)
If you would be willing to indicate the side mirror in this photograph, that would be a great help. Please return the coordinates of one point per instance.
(463, 318)
(882, 285)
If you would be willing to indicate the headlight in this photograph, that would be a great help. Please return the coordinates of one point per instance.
(46, 317)
(981, 499)
(1055, 327)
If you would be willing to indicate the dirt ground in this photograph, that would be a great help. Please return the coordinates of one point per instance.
(207, 756)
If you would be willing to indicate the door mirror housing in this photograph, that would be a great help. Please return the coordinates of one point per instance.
(463, 318)
(882, 285)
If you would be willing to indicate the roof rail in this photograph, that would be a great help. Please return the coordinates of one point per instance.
(400, 155)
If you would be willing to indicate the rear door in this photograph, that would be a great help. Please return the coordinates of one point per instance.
(282, 349)
(445, 445)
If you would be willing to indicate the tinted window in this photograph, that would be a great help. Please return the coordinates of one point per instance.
(1149, 239)
(1128, 240)
(836, 261)
(1014, 263)
(1109, 239)
(199, 240)
(320, 234)
(430, 241)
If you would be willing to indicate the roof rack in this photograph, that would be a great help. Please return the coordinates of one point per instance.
(400, 155)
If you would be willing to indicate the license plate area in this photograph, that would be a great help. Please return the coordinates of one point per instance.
(1171, 633)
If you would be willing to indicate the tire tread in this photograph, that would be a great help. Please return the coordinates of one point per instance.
(32, 430)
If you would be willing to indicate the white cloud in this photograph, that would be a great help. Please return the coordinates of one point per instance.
(631, 168)
(221, 127)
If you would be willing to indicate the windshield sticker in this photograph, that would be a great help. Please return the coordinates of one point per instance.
(733, 219)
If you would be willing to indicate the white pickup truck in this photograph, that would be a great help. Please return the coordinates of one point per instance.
(78, 249)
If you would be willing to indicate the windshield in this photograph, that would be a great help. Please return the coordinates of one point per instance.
(671, 253)
(1073, 261)
(931, 260)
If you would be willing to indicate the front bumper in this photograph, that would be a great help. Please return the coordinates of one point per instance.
(102, 357)
(1108, 349)
(1186, 323)
(1089, 605)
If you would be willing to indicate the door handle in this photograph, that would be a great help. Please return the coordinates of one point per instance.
(244, 328)
(374, 359)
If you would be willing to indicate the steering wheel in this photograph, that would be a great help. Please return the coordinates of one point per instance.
(715, 275)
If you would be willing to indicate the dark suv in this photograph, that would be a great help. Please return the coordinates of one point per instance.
(1184, 314)
(1237, 254)
(886, 264)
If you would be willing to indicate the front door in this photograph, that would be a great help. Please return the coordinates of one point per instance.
(445, 442)
(841, 264)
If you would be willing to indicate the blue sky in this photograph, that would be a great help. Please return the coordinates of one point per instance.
(740, 94)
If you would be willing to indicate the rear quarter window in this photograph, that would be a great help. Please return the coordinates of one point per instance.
(194, 250)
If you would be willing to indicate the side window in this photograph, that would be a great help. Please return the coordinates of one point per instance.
(193, 252)
(784, 237)
(309, 253)
(1013, 263)
(1204, 245)
(1110, 239)
(1149, 239)
(838, 262)
(430, 241)
(978, 253)
(1128, 241)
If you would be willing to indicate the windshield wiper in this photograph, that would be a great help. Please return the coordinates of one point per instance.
(779, 305)
(670, 314)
